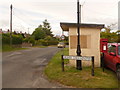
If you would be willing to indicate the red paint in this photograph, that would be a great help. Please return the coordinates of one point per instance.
(103, 45)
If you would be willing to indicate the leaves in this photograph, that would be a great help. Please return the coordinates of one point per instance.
(111, 36)
(42, 31)
(39, 34)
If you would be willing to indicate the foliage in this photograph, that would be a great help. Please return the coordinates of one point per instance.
(108, 34)
(39, 34)
(43, 42)
(47, 28)
(66, 40)
(6, 38)
(42, 31)
(43, 35)
(51, 41)
(32, 40)
(17, 39)
(112, 37)
(48, 41)
(26, 40)
(118, 32)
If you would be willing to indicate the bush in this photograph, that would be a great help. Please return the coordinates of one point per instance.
(26, 40)
(32, 41)
(43, 42)
(6, 38)
(17, 39)
(51, 41)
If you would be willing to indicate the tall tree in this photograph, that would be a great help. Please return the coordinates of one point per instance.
(43, 31)
(47, 28)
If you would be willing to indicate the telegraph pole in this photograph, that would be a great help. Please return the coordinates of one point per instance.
(28, 30)
(11, 25)
(78, 62)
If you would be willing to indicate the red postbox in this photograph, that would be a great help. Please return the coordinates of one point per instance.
(104, 45)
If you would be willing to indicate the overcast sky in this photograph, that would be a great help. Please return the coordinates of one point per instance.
(31, 13)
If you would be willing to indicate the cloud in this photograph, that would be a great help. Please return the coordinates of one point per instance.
(31, 13)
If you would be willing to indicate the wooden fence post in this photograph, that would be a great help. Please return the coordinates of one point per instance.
(62, 63)
(92, 65)
(103, 63)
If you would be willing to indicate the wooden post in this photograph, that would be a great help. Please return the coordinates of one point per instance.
(103, 65)
(11, 25)
(62, 63)
(92, 66)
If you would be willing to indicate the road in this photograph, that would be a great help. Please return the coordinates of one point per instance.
(24, 68)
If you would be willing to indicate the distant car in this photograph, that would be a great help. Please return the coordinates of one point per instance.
(61, 45)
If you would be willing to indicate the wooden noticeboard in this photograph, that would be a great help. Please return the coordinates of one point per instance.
(85, 41)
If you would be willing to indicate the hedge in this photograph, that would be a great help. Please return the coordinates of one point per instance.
(16, 39)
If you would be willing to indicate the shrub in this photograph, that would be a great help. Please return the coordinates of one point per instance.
(17, 39)
(32, 41)
(26, 40)
(51, 41)
(43, 42)
(6, 38)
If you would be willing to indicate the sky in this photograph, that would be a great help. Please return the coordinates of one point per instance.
(29, 14)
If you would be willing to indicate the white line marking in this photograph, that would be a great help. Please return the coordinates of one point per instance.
(35, 82)
(14, 53)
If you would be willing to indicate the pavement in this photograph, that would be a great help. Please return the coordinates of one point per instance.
(24, 68)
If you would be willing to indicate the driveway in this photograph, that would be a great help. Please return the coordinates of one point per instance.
(24, 68)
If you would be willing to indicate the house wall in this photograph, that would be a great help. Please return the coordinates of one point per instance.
(93, 44)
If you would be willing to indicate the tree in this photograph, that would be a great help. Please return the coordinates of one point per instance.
(39, 34)
(111, 36)
(47, 28)
(110, 27)
(42, 31)
(118, 32)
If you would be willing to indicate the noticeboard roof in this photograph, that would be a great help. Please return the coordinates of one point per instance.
(66, 26)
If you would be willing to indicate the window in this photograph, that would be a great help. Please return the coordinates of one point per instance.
(118, 50)
(112, 48)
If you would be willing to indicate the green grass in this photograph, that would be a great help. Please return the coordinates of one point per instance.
(79, 79)
(7, 48)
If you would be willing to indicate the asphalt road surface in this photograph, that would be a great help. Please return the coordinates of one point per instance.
(24, 68)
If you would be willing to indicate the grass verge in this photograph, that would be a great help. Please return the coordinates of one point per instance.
(79, 79)
(6, 48)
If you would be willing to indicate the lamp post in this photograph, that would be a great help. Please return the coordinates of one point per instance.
(78, 62)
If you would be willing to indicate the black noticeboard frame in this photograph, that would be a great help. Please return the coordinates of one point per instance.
(92, 60)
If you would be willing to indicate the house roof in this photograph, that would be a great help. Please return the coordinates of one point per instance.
(66, 26)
